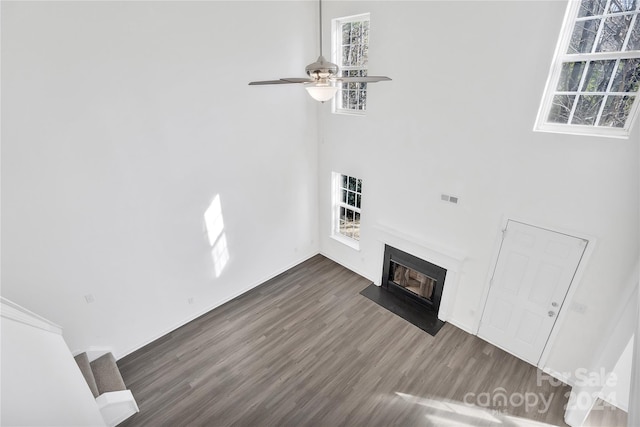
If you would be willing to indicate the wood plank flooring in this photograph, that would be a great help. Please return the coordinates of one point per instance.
(305, 349)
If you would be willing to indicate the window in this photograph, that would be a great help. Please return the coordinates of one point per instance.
(350, 52)
(594, 80)
(347, 200)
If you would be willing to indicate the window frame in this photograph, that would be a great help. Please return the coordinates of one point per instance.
(337, 203)
(336, 57)
(560, 56)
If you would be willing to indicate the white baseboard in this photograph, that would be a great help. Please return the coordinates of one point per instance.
(559, 376)
(213, 306)
(347, 266)
(468, 329)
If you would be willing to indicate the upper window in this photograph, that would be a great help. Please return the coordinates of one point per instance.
(594, 79)
(350, 52)
(346, 208)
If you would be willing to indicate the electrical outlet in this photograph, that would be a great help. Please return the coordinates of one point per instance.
(190, 301)
(89, 298)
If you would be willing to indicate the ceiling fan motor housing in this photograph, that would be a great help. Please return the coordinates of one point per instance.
(322, 69)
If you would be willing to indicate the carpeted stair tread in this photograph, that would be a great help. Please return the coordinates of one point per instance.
(106, 374)
(85, 367)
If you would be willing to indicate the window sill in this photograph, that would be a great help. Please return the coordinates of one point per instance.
(353, 244)
(346, 112)
(617, 133)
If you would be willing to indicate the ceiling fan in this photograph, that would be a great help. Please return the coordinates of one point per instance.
(323, 76)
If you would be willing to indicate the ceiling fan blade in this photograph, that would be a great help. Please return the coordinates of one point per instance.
(364, 79)
(298, 80)
(268, 82)
(282, 81)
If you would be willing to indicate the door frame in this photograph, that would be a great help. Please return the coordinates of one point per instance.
(568, 300)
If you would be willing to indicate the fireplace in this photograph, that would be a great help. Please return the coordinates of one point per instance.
(413, 278)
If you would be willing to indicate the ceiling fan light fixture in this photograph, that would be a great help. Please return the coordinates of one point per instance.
(321, 91)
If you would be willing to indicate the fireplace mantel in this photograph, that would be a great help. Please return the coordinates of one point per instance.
(451, 260)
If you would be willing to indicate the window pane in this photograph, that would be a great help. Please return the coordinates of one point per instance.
(362, 99)
(358, 201)
(351, 198)
(587, 109)
(346, 29)
(591, 7)
(349, 223)
(613, 33)
(570, 76)
(353, 99)
(359, 186)
(344, 181)
(622, 6)
(345, 97)
(627, 77)
(584, 36)
(634, 38)
(343, 214)
(346, 60)
(560, 109)
(356, 32)
(356, 226)
(352, 183)
(344, 196)
(616, 111)
(598, 76)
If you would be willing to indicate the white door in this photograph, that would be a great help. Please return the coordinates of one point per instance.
(530, 281)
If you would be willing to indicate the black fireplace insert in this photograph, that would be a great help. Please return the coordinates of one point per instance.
(413, 278)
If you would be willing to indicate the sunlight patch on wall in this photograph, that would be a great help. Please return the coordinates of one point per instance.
(214, 224)
(220, 254)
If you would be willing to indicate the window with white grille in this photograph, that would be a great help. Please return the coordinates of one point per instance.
(347, 201)
(595, 77)
(350, 52)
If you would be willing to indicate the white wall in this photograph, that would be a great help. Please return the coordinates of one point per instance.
(616, 391)
(122, 122)
(457, 119)
(41, 383)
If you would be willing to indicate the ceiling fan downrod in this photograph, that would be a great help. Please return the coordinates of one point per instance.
(323, 79)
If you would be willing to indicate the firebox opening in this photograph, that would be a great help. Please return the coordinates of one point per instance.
(412, 280)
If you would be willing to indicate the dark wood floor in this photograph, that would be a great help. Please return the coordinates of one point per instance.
(305, 349)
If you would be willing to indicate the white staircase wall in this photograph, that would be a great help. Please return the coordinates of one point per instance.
(41, 383)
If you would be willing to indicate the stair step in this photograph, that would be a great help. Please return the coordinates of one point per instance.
(85, 367)
(106, 374)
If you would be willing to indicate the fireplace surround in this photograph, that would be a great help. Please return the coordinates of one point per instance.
(413, 278)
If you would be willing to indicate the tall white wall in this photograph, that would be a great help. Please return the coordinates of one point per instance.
(617, 392)
(123, 122)
(457, 119)
(41, 383)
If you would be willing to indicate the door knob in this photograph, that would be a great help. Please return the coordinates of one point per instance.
(552, 313)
